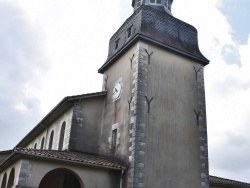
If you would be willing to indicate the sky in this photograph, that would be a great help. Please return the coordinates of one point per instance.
(50, 49)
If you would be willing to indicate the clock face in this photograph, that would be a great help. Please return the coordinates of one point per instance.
(117, 91)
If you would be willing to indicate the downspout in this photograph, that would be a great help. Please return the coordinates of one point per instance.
(121, 180)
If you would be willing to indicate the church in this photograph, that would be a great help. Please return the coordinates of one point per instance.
(146, 128)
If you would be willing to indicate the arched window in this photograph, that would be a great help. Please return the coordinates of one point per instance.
(51, 139)
(42, 143)
(11, 178)
(35, 145)
(3, 184)
(61, 139)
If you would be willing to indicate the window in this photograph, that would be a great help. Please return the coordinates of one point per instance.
(129, 31)
(51, 140)
(42, 143)
(4, 180)
(11, 178)
(61, 139)
(116, 43)
(155, 1)
(114, 137)
(167, 5)
(35, 145)
(138, 3)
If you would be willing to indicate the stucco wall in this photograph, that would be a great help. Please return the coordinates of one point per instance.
(16, 166)
(56, 126)
(116, 113)
(86, 122)
(172, 135)
(89, 177)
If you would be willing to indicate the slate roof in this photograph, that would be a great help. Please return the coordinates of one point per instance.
(4, 155)
(222, 181)
(79, 158)
(157, 27)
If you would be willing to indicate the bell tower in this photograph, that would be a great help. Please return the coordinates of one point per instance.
(160, 4)
(155, 115)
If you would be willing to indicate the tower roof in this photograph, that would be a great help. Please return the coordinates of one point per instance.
(157, 27)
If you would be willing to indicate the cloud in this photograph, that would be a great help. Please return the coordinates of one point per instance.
(228, 91)
(73, 37)
(21, 67)
(76, 36)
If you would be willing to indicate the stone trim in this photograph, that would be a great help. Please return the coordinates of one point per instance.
(202, 124)
(77, 121)
(138, 112)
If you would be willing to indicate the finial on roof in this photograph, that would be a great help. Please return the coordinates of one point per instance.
(161, 4)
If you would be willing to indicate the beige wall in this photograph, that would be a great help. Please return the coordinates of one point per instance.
(86, 123)
(56, 126)
(172, 133)
(16, 166)
(120, 71)
(89, 177)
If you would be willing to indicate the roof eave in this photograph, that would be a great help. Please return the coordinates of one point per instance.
(16, 155)
(62, 106)
(138, 37)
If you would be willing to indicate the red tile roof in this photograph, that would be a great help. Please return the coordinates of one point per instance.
(70, 156)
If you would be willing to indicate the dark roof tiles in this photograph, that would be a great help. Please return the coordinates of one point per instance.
(157, 27)
(223, 181)
(73, 156)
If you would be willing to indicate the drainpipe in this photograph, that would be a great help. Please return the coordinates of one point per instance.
(122, 174)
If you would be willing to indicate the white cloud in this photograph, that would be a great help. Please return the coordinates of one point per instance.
(228, 91)
(21, 66)
(75, 39)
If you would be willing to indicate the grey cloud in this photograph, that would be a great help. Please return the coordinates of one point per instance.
(232, 156)
(20, 56)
